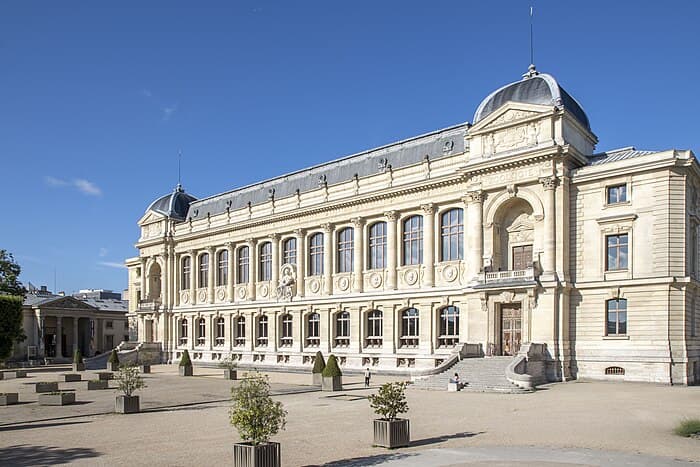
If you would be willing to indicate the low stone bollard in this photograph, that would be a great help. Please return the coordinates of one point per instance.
(105, 375)
(46, 386)
(70, 377)
(453, 387)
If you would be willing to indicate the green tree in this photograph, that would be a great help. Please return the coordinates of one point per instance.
(10, 324)
(390, 400)
(319, 363)
(332, 368)
(129, 379)
(9, 274)
(254, 414)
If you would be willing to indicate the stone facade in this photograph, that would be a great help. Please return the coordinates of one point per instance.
(507, 231)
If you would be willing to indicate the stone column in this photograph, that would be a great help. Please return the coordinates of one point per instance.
(275, 277)
(327, 258)
(475, 237)
(164, 275)
(75, 333)
(193, 277)
(59, 335)
(358, 264)
(391, 249)
(231, 268)
(429, 244)
(144, 280)
(549, 238)
(210, 273)
(252, 267)
(301, 261)
(177, 276)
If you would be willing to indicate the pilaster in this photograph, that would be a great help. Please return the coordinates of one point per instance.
(327, 258)
(429, 244)
(391, 250)
(358, 257)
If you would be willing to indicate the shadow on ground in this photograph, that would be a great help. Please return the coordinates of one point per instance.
(26, 455)
(31, 426)
(368, 460)
(443, 438)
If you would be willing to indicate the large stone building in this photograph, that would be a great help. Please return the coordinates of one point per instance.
(507, 230)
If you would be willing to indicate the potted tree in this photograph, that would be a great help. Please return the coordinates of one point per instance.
(129, 380)
(113, 361)
(257, 418)
(390, 431)
(229, 365)
(78, 363)
(319, 365)
(185, 364)
(332, 377)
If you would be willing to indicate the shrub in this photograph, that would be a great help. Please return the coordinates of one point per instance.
(319, 363)
(254, 414)
(185, 360)
(390, 400)
(10, 323)
(688, 427)
(77, 356)
(228, 363)
(332, 368)
(129, 379)
(114, 357)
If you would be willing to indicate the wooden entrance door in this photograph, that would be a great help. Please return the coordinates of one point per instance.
(511, 328)
(522, 257)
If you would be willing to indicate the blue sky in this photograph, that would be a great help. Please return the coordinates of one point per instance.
(97, 101)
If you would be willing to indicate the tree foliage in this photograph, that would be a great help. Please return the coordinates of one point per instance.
(129, 379)
(319, 363)
(9, 275)
(77, 356)
(254, 414)
(332, 368)
(185, 360)
(390, 400)
(113, 357)
(10, 324)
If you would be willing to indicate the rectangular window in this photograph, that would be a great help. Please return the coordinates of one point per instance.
(109, 324)
(617, 194)
(243, 258)
(290, 251)
(316, 255)
(413, 240)
(240, 331)
(377, 246)
(222, 272)
(345, 250)
(266, 261)
(109, 342)
(616, 257)
(616, 317)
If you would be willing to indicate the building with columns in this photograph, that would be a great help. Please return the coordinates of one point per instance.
(508, 230)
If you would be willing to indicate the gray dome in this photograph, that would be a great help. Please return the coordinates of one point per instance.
(173, 205)
(534, 88)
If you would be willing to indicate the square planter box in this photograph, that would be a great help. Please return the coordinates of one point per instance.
(63, 398)
(105, 375)
(454, 387)
(112, 366)
(99, 384)
(46, 387)
(262, 455)
(70, 377)
(332, 383)
(11, 374)
(185, 370)
(20, 373)
(317, 379)
(9, 398)
(78, 367)
(127, 404)
(230, 374)
(145, 369)
(392, 433)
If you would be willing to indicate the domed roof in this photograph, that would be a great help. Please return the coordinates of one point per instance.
(534, 88)
(173, 205)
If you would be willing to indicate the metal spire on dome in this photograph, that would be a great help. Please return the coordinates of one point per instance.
(179, 180)
(531, 70)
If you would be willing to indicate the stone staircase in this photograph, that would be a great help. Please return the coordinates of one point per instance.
(486, 374)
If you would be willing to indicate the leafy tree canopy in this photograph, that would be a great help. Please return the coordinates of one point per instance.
(9, 274)
(256, 416)
(10, 324)
(390, 401)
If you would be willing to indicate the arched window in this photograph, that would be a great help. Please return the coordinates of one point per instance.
(204, 270)
(220, 330)
(616, 317)
(261, 340)
(316, 254)
(375, 321)
(409, 328)
(345, 247)
(377, 245)
(289, 251)
(452, 234)
(449, 326)
(313, 336)
(342, 329)
(183, 331)
(266, 261)
(413, 240)
(201, 331)
(186, 271)
(286, 334)
(222, 270)
(240, 331)
(243, 259)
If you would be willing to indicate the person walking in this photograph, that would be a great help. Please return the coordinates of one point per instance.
(368, 375)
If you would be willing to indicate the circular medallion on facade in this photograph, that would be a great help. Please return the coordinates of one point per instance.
(264, 291)
(375, 280)
(449, 273)
(343, 283)
(185, 297)
(315, 286)
(221, 294)
(202, 295)
(241, 293)
(411, 276)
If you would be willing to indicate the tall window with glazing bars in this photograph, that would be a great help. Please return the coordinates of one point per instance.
(345, 248)
(243, 260)
(266, 261)
(452, 235)
(222, 270)
(289, 251)
(377, 245)
(413, 240)
(316, 254)
(204, 270)
(186, 271)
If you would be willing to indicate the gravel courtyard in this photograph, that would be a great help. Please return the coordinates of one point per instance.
(184, 422)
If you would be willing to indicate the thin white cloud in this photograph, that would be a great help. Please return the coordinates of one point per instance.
(84, 186)
(169, 111)
(52, 181)
(103, 252)
(146, 93)
(111, 264)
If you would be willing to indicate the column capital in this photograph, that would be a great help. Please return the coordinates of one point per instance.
(391, 215)
(428, 208)
(357, 221)
(229, 245)
(190, 252)
(549, 183)
(475, 196)
(251, 241)
(211, 250)
(299, 232)
(327, 227)
(274, 236)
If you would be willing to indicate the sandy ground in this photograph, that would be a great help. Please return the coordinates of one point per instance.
(185, 422)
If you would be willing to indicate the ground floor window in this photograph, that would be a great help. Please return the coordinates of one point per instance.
(449, 326)
(616, 317)
(220, 330)
(261, 340)
(313, 336)
(183, 332)
(240, 332)
(342, 329)
(201, 331)
(409, 328)
(375, 322)
(286, 334)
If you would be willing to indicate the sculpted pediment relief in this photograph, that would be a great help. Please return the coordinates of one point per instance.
(509, 114)
(150, 217)
(67, 303)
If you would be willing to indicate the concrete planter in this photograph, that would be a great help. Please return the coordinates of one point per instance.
(105, 375)
(61, 398)
(392, 433)
(70, 377)
(230, 374)
(78, 367)
(317, 379)
(332, 383)
(49, 386)
(9, 398)
(185, 370)
(20, 373)
(11, 374)
(454, 387)
(127, 404)
(96, 385)
(112, 366)
(145, 369)
(263, 455)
